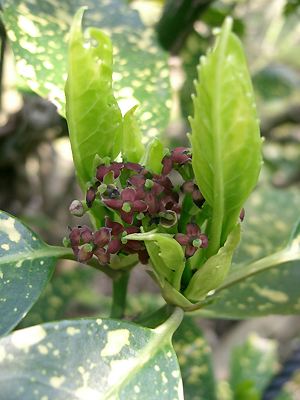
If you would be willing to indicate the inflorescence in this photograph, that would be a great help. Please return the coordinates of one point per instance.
(137, 200)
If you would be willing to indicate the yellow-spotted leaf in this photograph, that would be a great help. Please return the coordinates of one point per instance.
(267, 282)
(38, 32)
(194, 356)
(26, 265)
(91, 359)
(225, 138)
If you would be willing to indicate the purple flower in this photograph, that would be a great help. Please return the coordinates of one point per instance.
(103, 170)
(192, 240)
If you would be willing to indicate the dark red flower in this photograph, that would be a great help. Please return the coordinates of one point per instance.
(103, 170)
(127, 205)
(180, 156)
(192, 240)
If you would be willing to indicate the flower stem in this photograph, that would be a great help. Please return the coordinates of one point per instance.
(119, 296)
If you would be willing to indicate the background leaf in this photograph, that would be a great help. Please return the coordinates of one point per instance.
(26, 265)
(274, 291)
(252, 366)
(225, 134)
(89, 359)
(195, 362)
(39, 31)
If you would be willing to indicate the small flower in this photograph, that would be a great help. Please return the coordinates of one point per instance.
(90, 196)
(127, 205)
(192, 240)
(191, 188)
(103, 170)
(81, 239)
(180, 156)
(242, 214)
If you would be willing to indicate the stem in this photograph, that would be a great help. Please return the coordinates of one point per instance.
(155, 318)
(167, 329)
(242, 273)
(119, 296)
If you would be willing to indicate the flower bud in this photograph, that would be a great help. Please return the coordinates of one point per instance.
(76, 208)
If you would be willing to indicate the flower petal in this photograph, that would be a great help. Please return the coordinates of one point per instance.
(102, 237)
(182, 239)
(128, 194)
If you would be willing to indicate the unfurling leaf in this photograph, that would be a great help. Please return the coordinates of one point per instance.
(215, 270)
(166, 256)
(93, 114)
(153, 156)
(225, 136)
(132, 148)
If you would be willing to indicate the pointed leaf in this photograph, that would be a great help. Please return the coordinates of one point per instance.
(214, 271)
(194, 356)
(225, 134)
(133, 148)
(90, 359)
(93, 115)
(38, 34)
(26, 265)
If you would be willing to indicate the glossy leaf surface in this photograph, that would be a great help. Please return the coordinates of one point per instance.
(89, 359)
(93, 115)
(225, 136)
(38, 32)
(274, 290)
(194, 356)
(26, 265)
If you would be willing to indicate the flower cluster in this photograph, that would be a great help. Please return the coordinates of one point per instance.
(137, 198)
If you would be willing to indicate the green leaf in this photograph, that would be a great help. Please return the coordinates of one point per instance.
(153, 156)
(268, 285)
(252, 366)
(133, 148)
(194, 356)
(214, 271)
(38, 33)
(91, 359)
(225, 134)
(166, 256)
(26, 265)
(93, 115)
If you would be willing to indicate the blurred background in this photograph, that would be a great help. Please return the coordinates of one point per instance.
(157, 49)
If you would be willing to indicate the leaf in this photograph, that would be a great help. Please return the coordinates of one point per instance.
(38, 32)
(93, 115)
(153, 156)
(252, 366)
(90, 359)
(166, 256)
(225, 134)
(194, 356)
(133, 148)
(214, 271)
(274, 289)
(26, 265)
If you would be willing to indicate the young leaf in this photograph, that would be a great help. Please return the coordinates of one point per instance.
(91, 359)
(26, 265)
(215, 269)
(93, 115)
(133, 148)
(225, 138)
(153, 156)
(194, 356)
(166, 255)
(260, 357)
